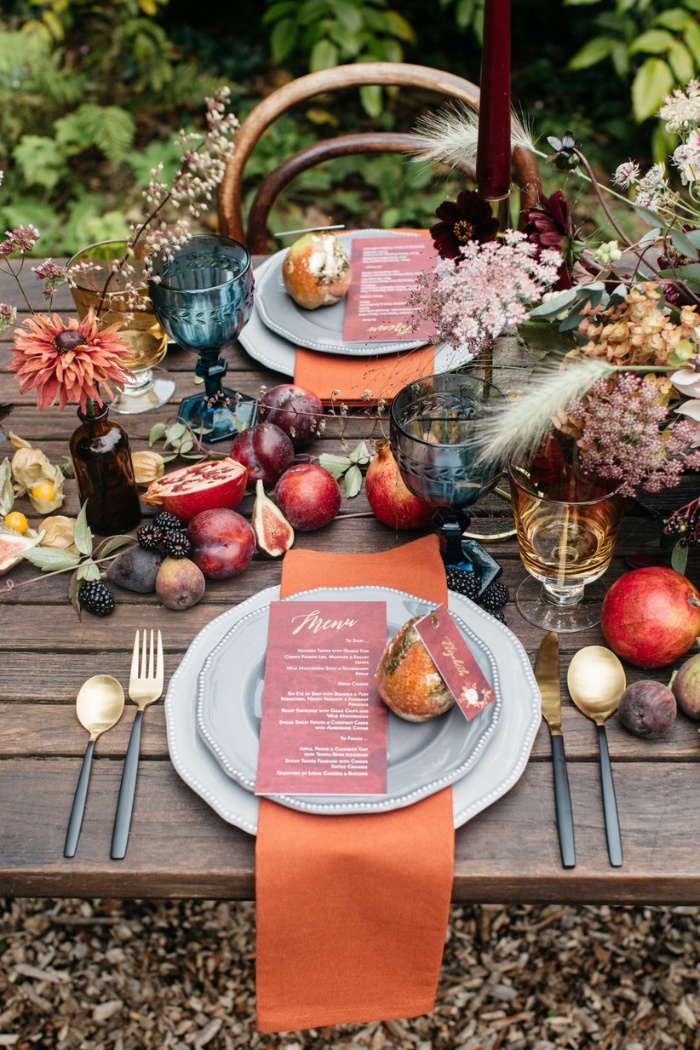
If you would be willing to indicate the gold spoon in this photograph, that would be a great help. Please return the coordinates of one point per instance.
(99, 706)
(596, 681)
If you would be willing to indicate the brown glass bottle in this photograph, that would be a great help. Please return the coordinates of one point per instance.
(104, 472)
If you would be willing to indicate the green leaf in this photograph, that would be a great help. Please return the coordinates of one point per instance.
(7, 493)
(650, 217)
(397, 25)
(335, 465)
(353, 481)
(51, 559)
(683, 244)
(156, 433)
(653, 81)
(592, 52)
(681, 62)
(679, 557)
(73, 589)
(691, 38)
(88, 571)
(324, 55)
(283, 39)
(349, 16)
(110, 128)
(82, 536)
(360, 454)
(676, 19)
(654, 41)
(556, 305)
(114, 543)
(372, 99)
(41, 161)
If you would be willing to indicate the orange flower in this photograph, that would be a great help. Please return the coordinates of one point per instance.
(66, 360)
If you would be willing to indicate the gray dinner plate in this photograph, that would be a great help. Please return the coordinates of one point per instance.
(498, 770)
(320, 329)
(422, 757)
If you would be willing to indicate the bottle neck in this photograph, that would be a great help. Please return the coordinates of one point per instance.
(93, 410)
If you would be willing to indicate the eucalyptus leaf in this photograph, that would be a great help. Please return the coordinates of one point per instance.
(650, 217)
(679, 557)
(157, 432)
(114, 543)
(51, 559)
(557, 304)
(353, 481)
(7, 493)
(82, 536)
(73, 590)
(683, 244)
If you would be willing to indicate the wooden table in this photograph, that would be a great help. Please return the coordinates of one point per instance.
(179, 847)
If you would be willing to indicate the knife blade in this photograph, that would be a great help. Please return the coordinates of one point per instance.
(547, 675)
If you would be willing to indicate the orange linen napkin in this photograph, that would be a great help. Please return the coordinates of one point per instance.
(340, 379)
(352, 910)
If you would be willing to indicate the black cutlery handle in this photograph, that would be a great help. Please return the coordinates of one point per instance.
(76, 814)
(612, 821)
(127, 788)
(562, 797)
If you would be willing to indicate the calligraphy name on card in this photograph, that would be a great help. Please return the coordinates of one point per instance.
(455, 661)
(323, 728)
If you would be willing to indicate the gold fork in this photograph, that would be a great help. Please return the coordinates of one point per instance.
(145, 686)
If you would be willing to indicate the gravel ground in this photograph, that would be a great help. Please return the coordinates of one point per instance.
(151, 975)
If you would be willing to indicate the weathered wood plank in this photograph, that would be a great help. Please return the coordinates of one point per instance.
(180, 848)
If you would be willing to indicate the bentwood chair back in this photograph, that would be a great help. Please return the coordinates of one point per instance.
(254, 235)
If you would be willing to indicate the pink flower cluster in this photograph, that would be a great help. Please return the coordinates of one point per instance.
(625, 435)
(487, 287)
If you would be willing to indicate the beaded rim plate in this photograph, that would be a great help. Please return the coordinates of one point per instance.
(422, 758)
(499, 768)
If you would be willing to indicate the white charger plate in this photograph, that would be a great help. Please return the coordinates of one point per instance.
(499, 768)
(421, 758)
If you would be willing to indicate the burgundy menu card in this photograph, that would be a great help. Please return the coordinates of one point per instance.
(323, 728)
(384, 273)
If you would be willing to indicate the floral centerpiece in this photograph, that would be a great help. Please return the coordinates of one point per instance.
(623, 381)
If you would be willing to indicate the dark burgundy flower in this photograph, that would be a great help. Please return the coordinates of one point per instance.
(469, 218)
(549, 225)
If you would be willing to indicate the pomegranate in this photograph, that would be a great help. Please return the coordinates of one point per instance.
(651, 616)
(308, 496)
(223, 542)
(265, 451)
(316, 270)
(202, 486)
(647, 708)
(273, 533)
(295, 409)
(389, 498)
(408, 681)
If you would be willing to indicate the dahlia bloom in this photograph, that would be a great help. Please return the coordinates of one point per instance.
(67, 360)
(549, 225)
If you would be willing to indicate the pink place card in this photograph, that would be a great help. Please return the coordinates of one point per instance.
(455, 661)
(323, 728)
(384, 273)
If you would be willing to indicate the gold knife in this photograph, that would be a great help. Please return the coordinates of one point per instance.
(547, 675)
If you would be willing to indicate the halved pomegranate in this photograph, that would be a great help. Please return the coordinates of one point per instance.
(203, 486)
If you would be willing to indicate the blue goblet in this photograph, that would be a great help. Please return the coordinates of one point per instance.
(434, 426)
(202, 297)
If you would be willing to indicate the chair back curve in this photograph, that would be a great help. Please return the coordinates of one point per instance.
(394, 74)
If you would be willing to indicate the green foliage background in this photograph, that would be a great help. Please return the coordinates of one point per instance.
(92, 92)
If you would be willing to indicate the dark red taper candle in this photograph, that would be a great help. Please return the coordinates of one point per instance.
(493, 157)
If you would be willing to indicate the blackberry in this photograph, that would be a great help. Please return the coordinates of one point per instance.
(495, 596)
(96, 597)
(167, 521)
(150, 537)
(497, 614)
(464, 581)
(177, 543)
